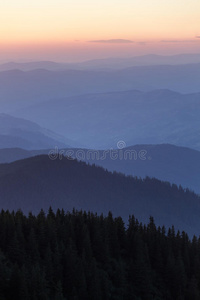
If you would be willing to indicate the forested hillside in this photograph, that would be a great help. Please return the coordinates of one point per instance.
(39, 182)
(165, 162)
(87, 256)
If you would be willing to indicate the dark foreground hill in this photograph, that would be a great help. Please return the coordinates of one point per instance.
(39, 182)
(166, 162)
(68, 256)
(179, 165)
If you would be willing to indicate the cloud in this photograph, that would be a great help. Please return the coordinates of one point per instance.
(142, 43)
(112, 41)
(177, 41)
(198, 37)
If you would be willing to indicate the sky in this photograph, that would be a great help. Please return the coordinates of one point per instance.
(77, 30)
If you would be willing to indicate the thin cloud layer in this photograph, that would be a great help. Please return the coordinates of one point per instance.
(112, 41)
(177, 41)
(142, 43)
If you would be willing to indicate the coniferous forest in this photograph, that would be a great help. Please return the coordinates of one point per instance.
(81, 255)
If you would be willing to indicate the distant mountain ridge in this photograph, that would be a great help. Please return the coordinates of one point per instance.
(21, 89)
(39, 182)
(106, 63)
(17, 132)
(101, 120)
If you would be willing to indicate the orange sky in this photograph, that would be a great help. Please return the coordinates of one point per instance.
(77, 30)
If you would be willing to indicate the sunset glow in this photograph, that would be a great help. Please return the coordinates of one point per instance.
(27, 28)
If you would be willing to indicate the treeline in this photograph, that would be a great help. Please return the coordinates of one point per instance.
(84, 256)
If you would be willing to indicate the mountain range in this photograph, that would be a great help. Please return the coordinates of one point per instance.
(109, 105)
(112, 63)
(101, 120)
(21, 89)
